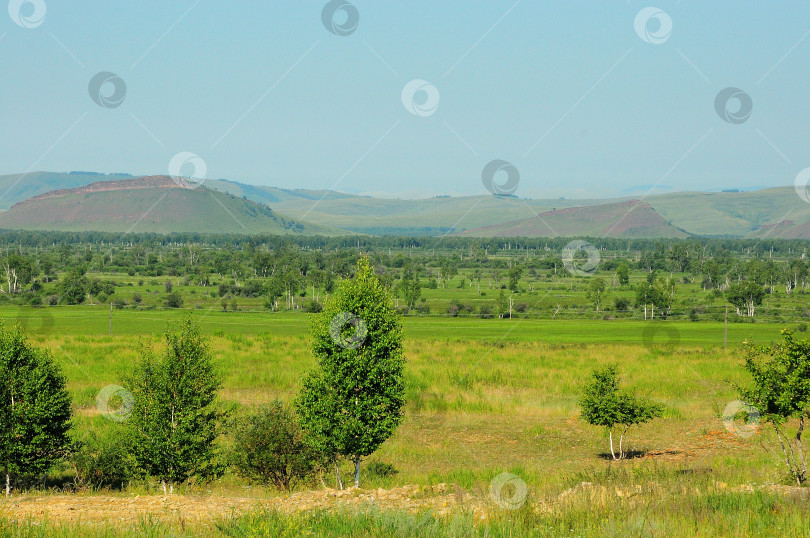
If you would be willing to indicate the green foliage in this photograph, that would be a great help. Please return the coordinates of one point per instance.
(603, 404)
(73, 287)
(781, 391)
(35, 409)
(596, 289)
(176, 417)
(352, 402)
(411, 288)
(174, 300)
(745, 295)
(270, 448)
(623, 273)
(102, 461)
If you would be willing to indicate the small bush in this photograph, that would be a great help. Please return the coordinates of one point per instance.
(380, 469)
(101, 462)
(270, 448)
(173, 300)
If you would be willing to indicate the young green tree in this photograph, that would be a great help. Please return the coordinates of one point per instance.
(596, 289)
(603, 404)
(781, 392)
(514, 278)
(34, 407)
(73, 287)
(623, 273)
(176, 418)
(411, 287)
(745, 295)
(352, 401)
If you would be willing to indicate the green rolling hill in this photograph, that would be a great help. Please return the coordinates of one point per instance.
(632, 218)
(150, 204)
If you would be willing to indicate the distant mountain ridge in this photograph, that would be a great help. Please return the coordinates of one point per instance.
(772, 212)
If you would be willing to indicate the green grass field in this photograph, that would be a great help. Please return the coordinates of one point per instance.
(485, 396)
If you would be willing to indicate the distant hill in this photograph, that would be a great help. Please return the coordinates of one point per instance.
(632, 218)
(150, 204)
(773, 212)
(18, 187)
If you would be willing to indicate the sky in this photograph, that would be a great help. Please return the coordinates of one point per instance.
(412, 99)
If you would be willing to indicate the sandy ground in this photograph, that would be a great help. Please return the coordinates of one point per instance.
(107, 508)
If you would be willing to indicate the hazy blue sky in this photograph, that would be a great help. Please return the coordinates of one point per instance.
(567, 91)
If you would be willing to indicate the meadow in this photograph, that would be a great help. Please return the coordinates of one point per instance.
(485, 396)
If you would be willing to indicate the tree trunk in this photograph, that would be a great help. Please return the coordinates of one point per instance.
(357, 471)
(163, 483)
(337, 475)
(612, 453)
(8, 484)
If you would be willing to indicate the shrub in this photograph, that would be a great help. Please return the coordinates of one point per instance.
(380, 469)
(136, 298)
(101, 462)
(173, 300)
(621, 304)
(270, 448)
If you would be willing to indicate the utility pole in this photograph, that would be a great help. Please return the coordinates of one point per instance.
(725, 331)
(110, 332)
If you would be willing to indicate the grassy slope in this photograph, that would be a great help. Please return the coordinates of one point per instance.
(158, 210)
(628, 219)
(18, 187)
(479, 406)
(737, 214)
